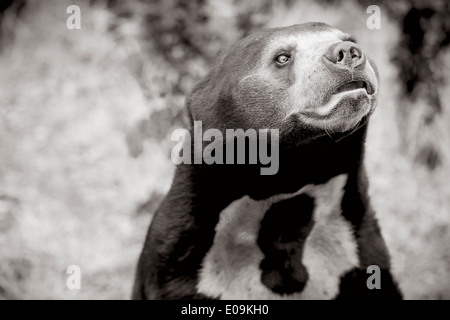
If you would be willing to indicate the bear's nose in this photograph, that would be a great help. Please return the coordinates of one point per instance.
(345, 54)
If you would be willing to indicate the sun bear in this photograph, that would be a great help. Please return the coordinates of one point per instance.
(225, 231)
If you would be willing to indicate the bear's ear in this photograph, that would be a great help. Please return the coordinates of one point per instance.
(189, 112)
(203, 103)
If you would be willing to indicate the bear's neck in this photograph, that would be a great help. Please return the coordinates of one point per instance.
(313, 163)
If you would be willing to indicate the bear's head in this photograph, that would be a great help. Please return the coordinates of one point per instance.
(307, 80)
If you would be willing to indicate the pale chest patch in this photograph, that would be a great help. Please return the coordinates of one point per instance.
(230, 270)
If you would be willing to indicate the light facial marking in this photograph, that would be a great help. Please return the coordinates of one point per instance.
(334, 99)
(231, 270)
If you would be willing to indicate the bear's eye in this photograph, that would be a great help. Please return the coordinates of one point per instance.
(282, 59)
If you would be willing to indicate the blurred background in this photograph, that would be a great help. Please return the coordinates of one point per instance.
(86, 117)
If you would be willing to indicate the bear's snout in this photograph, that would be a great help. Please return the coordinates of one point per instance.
(344, 55)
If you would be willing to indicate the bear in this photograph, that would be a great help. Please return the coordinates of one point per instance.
(308, 231)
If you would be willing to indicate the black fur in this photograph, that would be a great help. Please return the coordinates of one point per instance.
(281, 238)
(353, 286)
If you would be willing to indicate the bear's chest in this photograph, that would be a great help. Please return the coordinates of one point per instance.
(231, 268)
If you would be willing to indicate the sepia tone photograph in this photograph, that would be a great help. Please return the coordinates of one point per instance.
(224, 150)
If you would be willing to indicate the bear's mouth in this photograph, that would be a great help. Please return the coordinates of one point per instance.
(354, 85)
